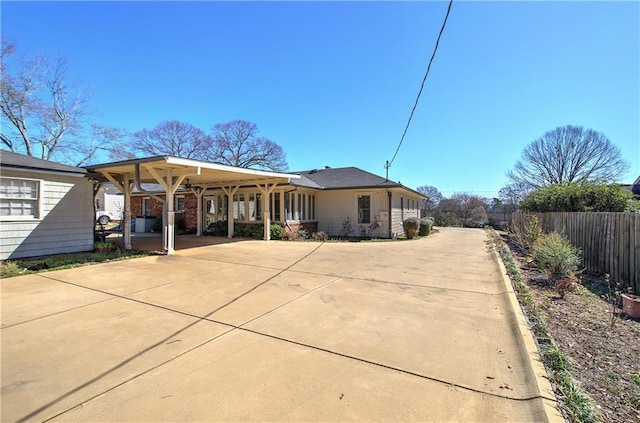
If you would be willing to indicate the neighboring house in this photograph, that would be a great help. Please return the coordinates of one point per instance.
(45, 207)
(320, 200)
(634, 187)
(109, 202)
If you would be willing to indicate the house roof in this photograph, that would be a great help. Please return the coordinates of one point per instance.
(345, 178)
(21, 161)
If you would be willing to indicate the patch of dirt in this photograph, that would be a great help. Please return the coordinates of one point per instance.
(604, 348)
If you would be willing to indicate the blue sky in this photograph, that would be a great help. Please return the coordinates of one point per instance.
(334, 82)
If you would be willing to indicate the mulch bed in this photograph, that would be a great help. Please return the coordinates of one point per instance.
(602, 343)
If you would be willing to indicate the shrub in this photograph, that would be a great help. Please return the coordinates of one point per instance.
(347, 228)
(425, 226)
(411, 226)
(555, 256)
(444, 218)
(276, 231)
(249, 230)
(530, 232)
(320, 236)
(104, 247)
(573, 197)
(219, 228)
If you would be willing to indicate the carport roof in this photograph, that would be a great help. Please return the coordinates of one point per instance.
(198, 172)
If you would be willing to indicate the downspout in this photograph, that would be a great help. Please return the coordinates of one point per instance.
(390, 214)
(160, 199)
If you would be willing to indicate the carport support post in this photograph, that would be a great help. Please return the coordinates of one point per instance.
(126, 229)
(170, 185)
(126, 187)
(230, 192)
(199, 193)
(266, 211)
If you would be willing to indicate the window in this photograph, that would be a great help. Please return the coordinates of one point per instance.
(276, 207)
(252, 207)
(287, 206)
(364, 209)
(312, 198)
(19, 198)
(259, 207)
(179, 206)
(146, 206)
(223, 202)
(303, 205)
(238, 207)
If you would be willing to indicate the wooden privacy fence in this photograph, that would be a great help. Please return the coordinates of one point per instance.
(610, 242)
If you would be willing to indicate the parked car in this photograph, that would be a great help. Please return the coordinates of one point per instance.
(103, 217)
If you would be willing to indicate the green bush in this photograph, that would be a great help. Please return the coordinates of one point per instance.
(411, 227)
(555, 256)
(444, 218)
(588, 197)
(219, 228)
(276, 231)
(425, 226)
(249, 230)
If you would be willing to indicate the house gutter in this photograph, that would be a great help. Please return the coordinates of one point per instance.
(390, 214)
(142, 190)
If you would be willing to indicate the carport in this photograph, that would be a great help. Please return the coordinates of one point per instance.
(170, 172)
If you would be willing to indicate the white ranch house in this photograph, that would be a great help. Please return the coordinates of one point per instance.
(200, 192)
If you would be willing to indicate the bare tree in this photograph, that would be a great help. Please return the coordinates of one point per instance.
(469, 209)
(236, 143)
(569, 154)
(512, 194)
(105, 139)
(428, 205)
(172, 138)
(42, 106)
(16, 98)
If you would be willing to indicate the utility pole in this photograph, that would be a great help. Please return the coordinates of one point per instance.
(387, 166)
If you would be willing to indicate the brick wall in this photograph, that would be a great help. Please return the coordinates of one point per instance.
(190, 214)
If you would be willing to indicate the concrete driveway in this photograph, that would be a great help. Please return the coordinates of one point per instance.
(421, 330)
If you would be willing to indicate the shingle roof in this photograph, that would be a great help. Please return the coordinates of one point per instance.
(345, 178)
(15, 160)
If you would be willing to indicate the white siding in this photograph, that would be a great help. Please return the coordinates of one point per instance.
(404, 207)
(114, 203)
(65, 222)
(334, 206)
(397, 215)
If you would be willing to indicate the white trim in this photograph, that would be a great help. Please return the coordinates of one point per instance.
(215, 166)
(38, 214)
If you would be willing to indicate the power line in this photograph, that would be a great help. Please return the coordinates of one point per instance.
(444, 23)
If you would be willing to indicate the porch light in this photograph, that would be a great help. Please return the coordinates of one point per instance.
(188, 184)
